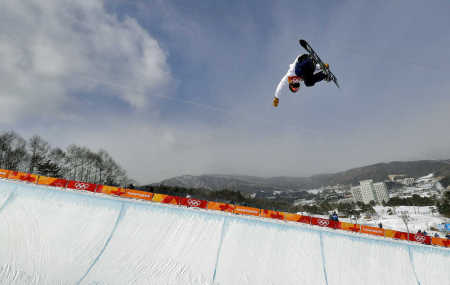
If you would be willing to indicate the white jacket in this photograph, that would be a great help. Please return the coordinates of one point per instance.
(284, 81)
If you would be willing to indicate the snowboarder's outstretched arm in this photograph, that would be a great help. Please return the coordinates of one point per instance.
(284, 83)
(281, 86)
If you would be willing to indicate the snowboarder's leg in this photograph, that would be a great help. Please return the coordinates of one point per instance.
(311, 80)
(319, 76)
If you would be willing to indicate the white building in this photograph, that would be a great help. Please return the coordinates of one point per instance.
(356, 194)
(380, 191)
(408, 181)
(428, 179)
(367, 191)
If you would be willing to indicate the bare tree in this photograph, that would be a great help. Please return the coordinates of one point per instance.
(5, 147)
(73, 161)
(38, 152)
(13, 152)
(76, 163)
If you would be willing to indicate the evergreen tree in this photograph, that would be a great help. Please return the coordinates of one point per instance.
(444, 204)
(48, 168)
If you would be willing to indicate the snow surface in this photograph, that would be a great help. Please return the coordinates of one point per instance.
(56, 236)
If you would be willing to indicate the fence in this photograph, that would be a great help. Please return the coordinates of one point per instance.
(216, 206)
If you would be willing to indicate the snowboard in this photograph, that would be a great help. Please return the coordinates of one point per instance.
(317, 59)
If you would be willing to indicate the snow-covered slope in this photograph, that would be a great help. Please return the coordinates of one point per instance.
(50, 236)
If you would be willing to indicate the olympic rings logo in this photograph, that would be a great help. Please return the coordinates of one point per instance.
(420, 238)
(193, 203)
(294, 79)
(323, 223)
(81, 186)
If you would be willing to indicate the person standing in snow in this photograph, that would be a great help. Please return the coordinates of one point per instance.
(302, 69)
(335, 217)
(334, 220)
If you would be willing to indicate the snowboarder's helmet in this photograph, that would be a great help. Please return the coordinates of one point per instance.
(294, 86)
(294, 83)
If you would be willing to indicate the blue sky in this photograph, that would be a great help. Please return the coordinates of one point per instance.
(185, 87)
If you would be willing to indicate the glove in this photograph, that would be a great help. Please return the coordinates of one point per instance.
(275, 102)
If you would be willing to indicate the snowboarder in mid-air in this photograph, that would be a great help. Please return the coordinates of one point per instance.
(304, 69)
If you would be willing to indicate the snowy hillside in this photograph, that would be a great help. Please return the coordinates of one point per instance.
(50, 236)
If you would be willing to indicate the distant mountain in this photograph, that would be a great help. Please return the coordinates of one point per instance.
(377, 172)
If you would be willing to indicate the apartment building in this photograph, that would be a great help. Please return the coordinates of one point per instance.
(368, 191)
(380, 191)
(356, 193)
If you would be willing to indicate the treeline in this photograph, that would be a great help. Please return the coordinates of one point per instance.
(321, 208)
(444, 204)
(344, 209)
(225, 195)
(415, 200)
(279, 204)
(75, 163)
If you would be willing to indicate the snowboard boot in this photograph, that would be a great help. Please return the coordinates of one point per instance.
(327, 67)
(319, 67)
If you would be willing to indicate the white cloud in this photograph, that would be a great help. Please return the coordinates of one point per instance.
(52, 49)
